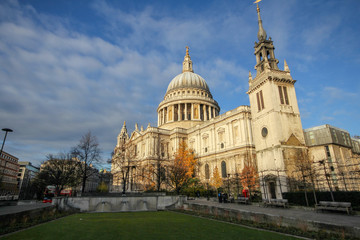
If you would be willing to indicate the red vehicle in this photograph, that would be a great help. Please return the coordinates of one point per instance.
(47, 200)
(66, 192)
(49, 194)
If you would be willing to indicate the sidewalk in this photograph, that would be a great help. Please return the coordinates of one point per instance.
(338, 219)
(4, 210)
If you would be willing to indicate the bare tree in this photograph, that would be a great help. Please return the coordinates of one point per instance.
(302, 171)
(87, 152)
(123, 161)
(59, 170)
(154, 171)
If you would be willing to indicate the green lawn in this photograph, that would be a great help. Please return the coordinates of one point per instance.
(140, 225)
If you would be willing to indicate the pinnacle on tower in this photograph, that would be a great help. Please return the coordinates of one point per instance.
(123, 129)
(286, 67)
(187, 64)
(261, 33)
(123, 136)
(250, 77)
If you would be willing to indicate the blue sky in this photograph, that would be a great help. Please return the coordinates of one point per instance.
(68, 67)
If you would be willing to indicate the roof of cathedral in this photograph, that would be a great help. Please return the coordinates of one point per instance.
(188, 79)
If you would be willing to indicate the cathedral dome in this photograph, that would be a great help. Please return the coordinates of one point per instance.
(188, 80)
(187, 101)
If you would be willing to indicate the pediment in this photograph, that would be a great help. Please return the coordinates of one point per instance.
(292, 141)
(134, 135)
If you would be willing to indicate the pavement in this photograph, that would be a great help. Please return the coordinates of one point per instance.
(309, 214)
(340, 219)
(4, 210)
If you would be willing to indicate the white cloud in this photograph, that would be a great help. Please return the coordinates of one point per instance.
(335, 94)
(58, 81)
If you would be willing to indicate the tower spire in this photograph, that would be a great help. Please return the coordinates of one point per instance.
(261, 33)
(187, 64)
(123, 130)
(264, 49)
(123, 136)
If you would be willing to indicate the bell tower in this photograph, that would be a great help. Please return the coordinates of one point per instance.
(264, 49)
(276, 122)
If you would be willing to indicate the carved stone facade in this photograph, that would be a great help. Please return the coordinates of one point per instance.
(268, 133)
(188, 112)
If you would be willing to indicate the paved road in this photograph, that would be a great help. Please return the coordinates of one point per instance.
(339, 219)
(21, 208)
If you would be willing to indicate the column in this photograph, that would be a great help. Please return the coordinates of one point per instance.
(192, 111)
(173, 113)
(153, 148)
(163, 116)
(213, 136)
(158, 118)
(179, 112)
(186, 116)
(246, 133)
(147, 142)
(229, 136)
(241, 128)
(250, 130)
(208, 112)
(204, 112)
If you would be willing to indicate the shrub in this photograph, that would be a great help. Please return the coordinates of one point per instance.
(102, 188)
(298, 198)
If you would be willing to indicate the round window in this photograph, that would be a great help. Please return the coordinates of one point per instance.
(264, 132)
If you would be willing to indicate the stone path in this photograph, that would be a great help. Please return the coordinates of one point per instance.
(4, 210)
(339, 219)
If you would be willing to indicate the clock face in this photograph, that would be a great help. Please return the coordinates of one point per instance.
(264, 131)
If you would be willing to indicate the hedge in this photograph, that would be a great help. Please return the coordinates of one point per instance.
(298, 198)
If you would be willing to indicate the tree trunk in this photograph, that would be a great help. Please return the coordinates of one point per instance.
(83, 184)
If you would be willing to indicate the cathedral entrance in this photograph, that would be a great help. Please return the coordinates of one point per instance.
(269, 188)
(272, 190)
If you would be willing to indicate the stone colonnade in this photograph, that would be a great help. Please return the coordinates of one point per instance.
(186, 111)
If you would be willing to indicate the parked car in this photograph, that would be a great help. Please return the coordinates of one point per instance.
(47, 200)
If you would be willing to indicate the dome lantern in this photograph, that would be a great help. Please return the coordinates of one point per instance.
(187, 64)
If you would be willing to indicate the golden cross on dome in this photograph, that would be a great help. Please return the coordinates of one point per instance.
(187, 50)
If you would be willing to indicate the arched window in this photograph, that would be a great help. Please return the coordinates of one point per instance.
(207, 172)
(223, 169)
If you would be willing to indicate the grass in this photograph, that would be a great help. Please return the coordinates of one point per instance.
(140, 225)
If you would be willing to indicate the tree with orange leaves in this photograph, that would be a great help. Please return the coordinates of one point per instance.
(216, 180)
(182, 168)
(249, 178)
(148, 177)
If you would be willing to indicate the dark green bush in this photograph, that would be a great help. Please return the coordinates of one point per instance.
(298, 198)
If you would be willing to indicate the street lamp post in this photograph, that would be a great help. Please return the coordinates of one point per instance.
(6, 130)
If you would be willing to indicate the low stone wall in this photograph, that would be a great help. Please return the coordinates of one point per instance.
(270, 221)
(119, 204)
(25, 218)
